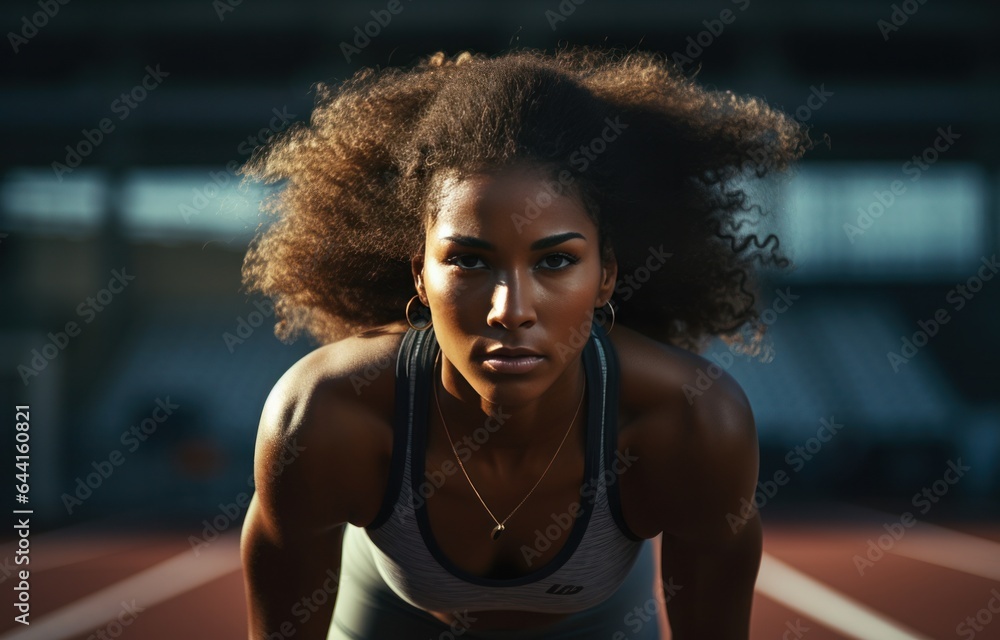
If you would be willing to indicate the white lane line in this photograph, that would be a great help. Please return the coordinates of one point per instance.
(944, 547)
(811, 598)
(54, 553)
(75, 543)
(151, 586)
(951, 549)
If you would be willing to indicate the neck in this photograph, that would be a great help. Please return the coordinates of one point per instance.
(509, 436)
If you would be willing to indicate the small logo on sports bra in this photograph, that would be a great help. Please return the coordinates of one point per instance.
(564, 589)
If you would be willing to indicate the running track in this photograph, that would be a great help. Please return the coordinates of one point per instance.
(929, 581)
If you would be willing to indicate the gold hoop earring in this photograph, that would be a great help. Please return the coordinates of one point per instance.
(426, 314)
(608, 304)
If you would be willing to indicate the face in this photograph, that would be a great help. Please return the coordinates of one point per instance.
(497, 274)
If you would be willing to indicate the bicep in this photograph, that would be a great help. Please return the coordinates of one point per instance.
(710, 465)
(308, 449)
(712, 538)
(293, 533)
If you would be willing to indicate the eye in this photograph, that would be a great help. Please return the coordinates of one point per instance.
(458, 261)
(569, 259)
(551, 262)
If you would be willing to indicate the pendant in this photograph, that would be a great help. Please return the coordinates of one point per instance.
(497, 530)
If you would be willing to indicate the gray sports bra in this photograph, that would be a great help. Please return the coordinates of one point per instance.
(593, 562)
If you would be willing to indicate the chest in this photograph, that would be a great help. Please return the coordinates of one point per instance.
(540, 519)
(462, 515)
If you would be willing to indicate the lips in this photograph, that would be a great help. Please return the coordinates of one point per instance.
(511, 352)
(512, 359)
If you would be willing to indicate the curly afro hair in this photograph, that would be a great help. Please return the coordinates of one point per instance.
(360, 180)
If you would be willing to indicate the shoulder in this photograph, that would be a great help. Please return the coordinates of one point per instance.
(658, 378)
(691, 427)
(325, 434)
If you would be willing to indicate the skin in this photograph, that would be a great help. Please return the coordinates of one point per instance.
(695, 460)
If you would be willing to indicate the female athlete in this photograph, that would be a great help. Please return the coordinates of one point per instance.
(512, 264)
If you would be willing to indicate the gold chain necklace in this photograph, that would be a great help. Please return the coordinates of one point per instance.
(497, 530)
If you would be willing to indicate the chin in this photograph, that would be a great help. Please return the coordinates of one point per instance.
(510, 393)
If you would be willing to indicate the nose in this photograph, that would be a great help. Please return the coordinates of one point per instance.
(512, 306)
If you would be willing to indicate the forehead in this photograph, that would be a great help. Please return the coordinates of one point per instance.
(517, 202)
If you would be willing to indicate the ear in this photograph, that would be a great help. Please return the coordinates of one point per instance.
(609, 276)
(417, 268)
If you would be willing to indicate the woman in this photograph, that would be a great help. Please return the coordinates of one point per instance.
(513, 262)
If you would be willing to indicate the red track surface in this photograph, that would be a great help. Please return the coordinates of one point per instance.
(921, 596)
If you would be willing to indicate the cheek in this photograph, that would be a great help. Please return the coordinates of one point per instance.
(569, 312)
(573, 293)
(445, 289)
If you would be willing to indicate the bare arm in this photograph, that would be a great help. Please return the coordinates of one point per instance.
(291, 581)
(712, 541)
(717, 582)
(292, 536)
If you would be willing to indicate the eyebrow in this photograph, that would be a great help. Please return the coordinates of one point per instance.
(544, 243)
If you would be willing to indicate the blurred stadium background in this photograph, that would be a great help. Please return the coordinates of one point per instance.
(120, 212)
